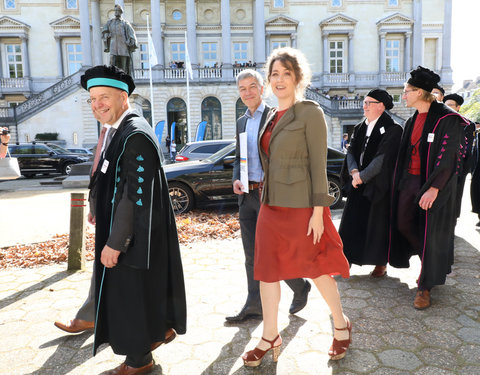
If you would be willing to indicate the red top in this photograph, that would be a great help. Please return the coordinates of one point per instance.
(265, 141)
(415, 166)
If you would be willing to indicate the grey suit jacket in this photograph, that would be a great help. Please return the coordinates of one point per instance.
(241, 126)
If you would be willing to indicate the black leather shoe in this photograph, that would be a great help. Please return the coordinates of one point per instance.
(247, 312)
(300, 300)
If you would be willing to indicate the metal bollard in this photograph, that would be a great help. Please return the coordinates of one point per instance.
(76, 246)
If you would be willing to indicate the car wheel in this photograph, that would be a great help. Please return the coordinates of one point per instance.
(335, 190)
(67, 168)
(181, 196)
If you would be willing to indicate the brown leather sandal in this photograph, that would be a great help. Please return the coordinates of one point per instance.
(338, 350)
(253, 358)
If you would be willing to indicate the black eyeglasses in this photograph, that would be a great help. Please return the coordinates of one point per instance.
(367, 103)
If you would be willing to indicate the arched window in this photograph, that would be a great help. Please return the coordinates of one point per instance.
(212, 114)
(177, 112)
(240, 109)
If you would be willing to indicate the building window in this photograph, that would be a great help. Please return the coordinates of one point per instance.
(212, 114)
(336, 3)
(74, 57)
(278, 3)
(336, 56)
(9, 4)
(397, 98)
(72, 4)
(178, 51)
(392, 57)
(279, 44)
(144, 60)
(209, 52)
(430, 53)
(14, 60)
(240, 52)
(393, 3)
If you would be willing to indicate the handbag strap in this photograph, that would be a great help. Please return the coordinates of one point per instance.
(8, 152)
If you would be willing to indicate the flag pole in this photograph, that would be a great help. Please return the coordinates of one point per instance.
(150, 74)
(187, 73)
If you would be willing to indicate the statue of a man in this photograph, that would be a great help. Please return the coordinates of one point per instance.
(120, 40)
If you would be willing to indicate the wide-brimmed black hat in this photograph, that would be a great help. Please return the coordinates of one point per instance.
(438, 87)
(424, 78)
(110, 76)
(382, 96)
(455, 97)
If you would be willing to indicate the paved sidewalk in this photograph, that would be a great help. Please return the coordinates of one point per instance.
(390, 337)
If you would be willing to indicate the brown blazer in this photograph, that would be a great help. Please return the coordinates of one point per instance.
(295, 170)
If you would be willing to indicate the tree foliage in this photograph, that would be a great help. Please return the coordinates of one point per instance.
(471, 110)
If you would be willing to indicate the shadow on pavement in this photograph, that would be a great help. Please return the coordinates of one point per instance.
(34, 288)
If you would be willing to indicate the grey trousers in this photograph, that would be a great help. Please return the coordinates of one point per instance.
(87, 311)
(249, 207)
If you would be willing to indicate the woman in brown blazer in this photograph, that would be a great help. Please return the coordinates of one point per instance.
(295, 234)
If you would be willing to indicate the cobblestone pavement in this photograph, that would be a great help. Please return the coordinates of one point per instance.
(390, 337)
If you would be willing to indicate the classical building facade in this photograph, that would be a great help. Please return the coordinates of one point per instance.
(352, 46)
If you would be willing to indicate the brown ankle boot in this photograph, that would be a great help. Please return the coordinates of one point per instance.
(422, 300)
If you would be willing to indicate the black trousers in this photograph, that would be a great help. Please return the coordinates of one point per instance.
(249, 207)
(138, 360)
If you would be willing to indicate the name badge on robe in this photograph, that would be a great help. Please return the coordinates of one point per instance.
(104, 166)
(382, 130)
(431, 137)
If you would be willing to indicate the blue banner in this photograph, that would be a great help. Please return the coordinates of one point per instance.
(159, 130)
(172, 133)
(201, 131)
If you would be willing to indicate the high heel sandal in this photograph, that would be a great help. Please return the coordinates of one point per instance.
(338, 350)
(253, 358)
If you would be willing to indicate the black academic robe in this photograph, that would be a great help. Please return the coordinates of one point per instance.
(475, 184)
(144, 294)
(440, 155)
(467, 162)
(364, 225)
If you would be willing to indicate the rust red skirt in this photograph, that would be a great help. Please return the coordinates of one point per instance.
(284, 251)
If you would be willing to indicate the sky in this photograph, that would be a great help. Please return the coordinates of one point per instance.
(465, 59)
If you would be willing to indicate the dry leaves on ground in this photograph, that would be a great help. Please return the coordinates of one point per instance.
(191, 227)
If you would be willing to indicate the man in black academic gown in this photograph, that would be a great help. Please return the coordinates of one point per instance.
(140, 293)
(424, 187)
(367, 175)
(455, 101)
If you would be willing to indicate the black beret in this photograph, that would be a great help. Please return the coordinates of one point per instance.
(455, 97)
(438, 87)
(382, 96)
(424, 78)
(110, 76)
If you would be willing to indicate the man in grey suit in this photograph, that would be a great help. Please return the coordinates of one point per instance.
(250, 86)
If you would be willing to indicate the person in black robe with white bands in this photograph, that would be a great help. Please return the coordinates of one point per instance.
(367, 175)
(424, 187)
(139, 291)
(455, 101)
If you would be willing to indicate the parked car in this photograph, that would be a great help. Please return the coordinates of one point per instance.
(44, 158)
(201, 149)
(80, 150)
(209, 181)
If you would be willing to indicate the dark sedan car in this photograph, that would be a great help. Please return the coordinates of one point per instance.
(44, 158)
(209, 181)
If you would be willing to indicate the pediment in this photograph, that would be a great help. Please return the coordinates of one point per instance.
(338, 19)
(281, 20)
(10, 23)
(395, 19)
(66, 22)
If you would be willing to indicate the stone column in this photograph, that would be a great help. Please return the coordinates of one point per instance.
(326, 69)
(293, 38)
(192, 32)
(383, 65)
(351, 69)
(58, 40)
(227, 71)
(417, 33)
(446, 72)
(96, 34)
(406, 63)
(26, 60)
(259, 33)
(85, 34)
(156, 23)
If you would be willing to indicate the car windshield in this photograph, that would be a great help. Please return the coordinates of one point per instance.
(219, 154)
(59, 149)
